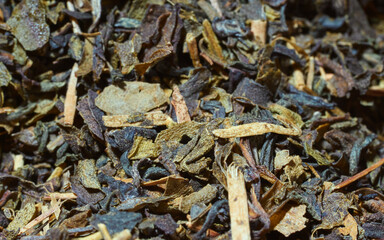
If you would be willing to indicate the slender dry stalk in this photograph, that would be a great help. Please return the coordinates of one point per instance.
(360, 174)
(71, 98)
(60, 196)
(238, 204)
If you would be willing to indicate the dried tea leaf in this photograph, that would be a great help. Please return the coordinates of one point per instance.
(166, 224)
(98, 58)
(75, 47)
(350, 227)
(23, 217)
(281, 159)
(48, 86)
(96, 13)
(293, 221)
(181, 108)
(321, 160)
(86, 196)
(128, 52)
(254, 91)
(42, 109)
(28, 24)
(177, 132)
(86, 63)
(142, 148)
(177, 186)
(274, 198)
(196, 148)
(293, 166)
(291, 116)
(161, 35)
(117, 221)
(86, 171)
(156, 55)
(253, 129)
(134, 97)
(77, 220)
(204, 195)
(19, 53)
(5, 76)
(222, 96)
(54, 13)
(213, 43)
(91, 114)
(156, 118)
(123, 139)
(335, 207)
(135, 204)
(190, 90)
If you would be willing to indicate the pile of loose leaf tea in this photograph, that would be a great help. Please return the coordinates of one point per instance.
(191, 119)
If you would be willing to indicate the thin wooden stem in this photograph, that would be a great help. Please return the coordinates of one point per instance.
(360, 174)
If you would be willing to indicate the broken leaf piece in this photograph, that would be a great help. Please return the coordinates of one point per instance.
(22, 217)
(5, 76)
(212, 41)
(253, 129)
(84, 195)
(335, 207)
(142, 148)
(350, 227)
(134, 97)
(117, 221)
(321, 160)
(181, 108)
(28, 24)
(293, 221)
(91, 114)
(204, 195)
(86, 63)
(86, 171)
(291, 116)
(128, 52)
(155, 118)
(293, 166)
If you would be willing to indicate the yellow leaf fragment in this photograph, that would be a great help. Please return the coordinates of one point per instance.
(293, 221)
(253, 129)
(259, 30)
(286, 116)
(292, 165)
(213, 43)
(142, 148)
(156, 118)
(193, 50)
(123, 235)
(350, 227)
(22, 217)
